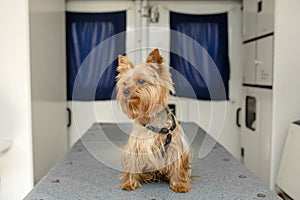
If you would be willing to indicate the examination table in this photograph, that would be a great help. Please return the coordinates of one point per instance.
(80, 174)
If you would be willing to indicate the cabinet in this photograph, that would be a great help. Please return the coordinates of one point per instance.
(258, 62)
(265, 17)
(256, 126)
(286, 77)
(256, 131)
(258, 27)
(258, 18)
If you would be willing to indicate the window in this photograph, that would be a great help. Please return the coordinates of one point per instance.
(85, 31)
(210, 31)
(251, 113)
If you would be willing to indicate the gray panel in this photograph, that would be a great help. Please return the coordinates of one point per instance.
(80, 176)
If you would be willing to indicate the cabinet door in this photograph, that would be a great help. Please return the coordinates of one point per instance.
(256, 131)
(250, 131)
(264, 69)
(249, 19)
(248, 63)
(265, 17)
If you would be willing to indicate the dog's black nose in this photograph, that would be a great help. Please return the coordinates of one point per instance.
(126, 93)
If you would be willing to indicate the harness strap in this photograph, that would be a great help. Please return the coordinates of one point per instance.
(164, 131)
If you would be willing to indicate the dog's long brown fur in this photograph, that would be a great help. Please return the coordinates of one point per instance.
(143, 95)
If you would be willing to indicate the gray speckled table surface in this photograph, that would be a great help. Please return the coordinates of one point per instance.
(90, 170)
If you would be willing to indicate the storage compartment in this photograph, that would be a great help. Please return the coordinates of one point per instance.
(258, 18)
(256, 131)
(258, 62)
(265, 17)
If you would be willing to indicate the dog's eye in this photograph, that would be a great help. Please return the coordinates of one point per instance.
(140, 82)
(124, 83)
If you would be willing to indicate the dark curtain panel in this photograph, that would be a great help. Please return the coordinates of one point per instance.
(85, 31)
(210, 31)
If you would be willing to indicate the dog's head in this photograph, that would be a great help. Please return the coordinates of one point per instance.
(143, 89)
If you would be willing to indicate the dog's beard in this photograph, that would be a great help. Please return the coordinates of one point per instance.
(146, 101)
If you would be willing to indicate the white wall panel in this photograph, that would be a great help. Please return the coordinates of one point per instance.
(286, 107)
(48, 83)
(16, 169)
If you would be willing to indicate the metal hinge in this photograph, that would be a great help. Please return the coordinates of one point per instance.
(151, 13)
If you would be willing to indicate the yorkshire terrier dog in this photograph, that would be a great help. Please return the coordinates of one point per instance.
(156, 149)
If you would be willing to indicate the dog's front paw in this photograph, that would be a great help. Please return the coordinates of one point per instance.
(181, 187)
(129, 187)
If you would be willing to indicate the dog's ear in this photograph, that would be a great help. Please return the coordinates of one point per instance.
(154, 57)
(165, 76)
(124, 65)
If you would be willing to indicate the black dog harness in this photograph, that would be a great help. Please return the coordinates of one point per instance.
(164, 131)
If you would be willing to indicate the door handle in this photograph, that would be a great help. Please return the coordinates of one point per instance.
(69, 117)
(238, 117)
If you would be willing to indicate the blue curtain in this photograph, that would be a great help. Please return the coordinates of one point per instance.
(85, 31)
(210, 31)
